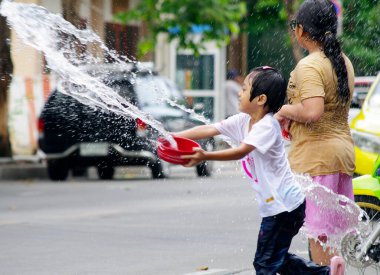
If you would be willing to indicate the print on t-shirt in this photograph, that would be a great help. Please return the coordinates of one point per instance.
(251, 164)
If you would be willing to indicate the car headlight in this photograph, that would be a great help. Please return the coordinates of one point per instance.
(366, 142)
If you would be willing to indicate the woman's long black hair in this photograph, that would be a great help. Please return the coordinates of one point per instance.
(319, 19)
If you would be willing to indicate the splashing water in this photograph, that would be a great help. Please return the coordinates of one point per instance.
(190, 111)
(69, 53)
(346, 215)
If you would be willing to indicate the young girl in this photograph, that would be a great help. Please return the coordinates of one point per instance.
(319, 94)
(263, 158)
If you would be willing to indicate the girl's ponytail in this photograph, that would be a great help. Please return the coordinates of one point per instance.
(332, 49)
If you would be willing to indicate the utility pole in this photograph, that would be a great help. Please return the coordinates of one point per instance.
(339, 12)
(6, 70)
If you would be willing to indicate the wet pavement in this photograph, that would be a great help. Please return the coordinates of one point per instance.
(131, 225)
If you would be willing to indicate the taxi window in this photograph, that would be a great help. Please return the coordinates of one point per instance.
(374, 100)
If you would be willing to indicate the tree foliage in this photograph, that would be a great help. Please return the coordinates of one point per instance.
(265, 14)
(217, 20)
(361, 28)
(270, 39)
(361, 35)
(223, 18)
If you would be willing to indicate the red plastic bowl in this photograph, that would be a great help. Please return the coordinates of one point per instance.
(173, 155)
(173, 160)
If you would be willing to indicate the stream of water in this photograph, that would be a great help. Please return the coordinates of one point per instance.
(70, 54)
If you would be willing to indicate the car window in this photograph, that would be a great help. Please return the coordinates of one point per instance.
(152, 90)
(361, 89)
(374, 100)
(124, 89)
(176, 95)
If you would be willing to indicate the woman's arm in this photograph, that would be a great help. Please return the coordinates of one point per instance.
(309, 110)
(198, 132)
(228, 154)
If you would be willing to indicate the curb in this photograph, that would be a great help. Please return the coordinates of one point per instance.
(31, 168)
(22, 167)
(22, 170)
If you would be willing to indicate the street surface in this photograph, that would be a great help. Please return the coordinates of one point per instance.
(132, 225)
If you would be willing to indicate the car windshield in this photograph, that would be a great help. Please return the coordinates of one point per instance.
(124, 89)
(152, 90)
(374, 100)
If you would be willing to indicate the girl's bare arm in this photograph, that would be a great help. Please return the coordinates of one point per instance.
(228, 154)
(198, 132)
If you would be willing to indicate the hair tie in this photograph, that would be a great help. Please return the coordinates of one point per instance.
(328, 33)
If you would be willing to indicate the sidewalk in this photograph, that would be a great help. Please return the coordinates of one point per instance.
(247, 271)
(22, 168)
(34, 168)
(30, 167)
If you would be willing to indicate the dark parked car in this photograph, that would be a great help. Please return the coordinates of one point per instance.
(75, 136)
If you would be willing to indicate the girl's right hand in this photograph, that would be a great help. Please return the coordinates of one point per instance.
(196, 158)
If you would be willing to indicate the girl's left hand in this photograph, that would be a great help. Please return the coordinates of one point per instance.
(196, 158)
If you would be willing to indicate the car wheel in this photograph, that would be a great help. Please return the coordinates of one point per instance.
(57, 170)
(160, 169)
(205, 168)
(105, 172)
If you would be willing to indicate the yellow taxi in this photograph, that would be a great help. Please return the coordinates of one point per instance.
(365, 130)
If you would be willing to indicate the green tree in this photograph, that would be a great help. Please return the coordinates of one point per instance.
(271, 41)
(267, 22)
(219, 19)
(361, 35)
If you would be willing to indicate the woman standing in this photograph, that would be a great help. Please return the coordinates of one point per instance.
(319, 95)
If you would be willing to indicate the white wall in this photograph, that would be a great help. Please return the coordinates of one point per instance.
(26, 99)
(54, 6)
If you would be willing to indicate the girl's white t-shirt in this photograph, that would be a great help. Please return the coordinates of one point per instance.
(267, 166)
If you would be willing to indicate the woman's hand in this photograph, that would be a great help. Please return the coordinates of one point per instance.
(285, 125)
(196, 158)
(284, 122)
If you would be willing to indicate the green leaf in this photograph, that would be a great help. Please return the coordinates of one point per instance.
(234, 28)
(145, 46)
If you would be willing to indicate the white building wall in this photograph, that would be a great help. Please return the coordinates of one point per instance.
(26, 99)
(54, 6)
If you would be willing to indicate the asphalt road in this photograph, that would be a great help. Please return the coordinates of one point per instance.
(132, 225)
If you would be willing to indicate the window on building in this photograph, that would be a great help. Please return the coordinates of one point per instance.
(123, 39)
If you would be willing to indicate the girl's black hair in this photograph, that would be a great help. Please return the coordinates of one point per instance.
(269, 81)
(319, 20)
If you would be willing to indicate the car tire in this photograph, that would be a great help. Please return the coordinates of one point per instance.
(204, 169)
(160, 170)
(57, 170)
(105, 172)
